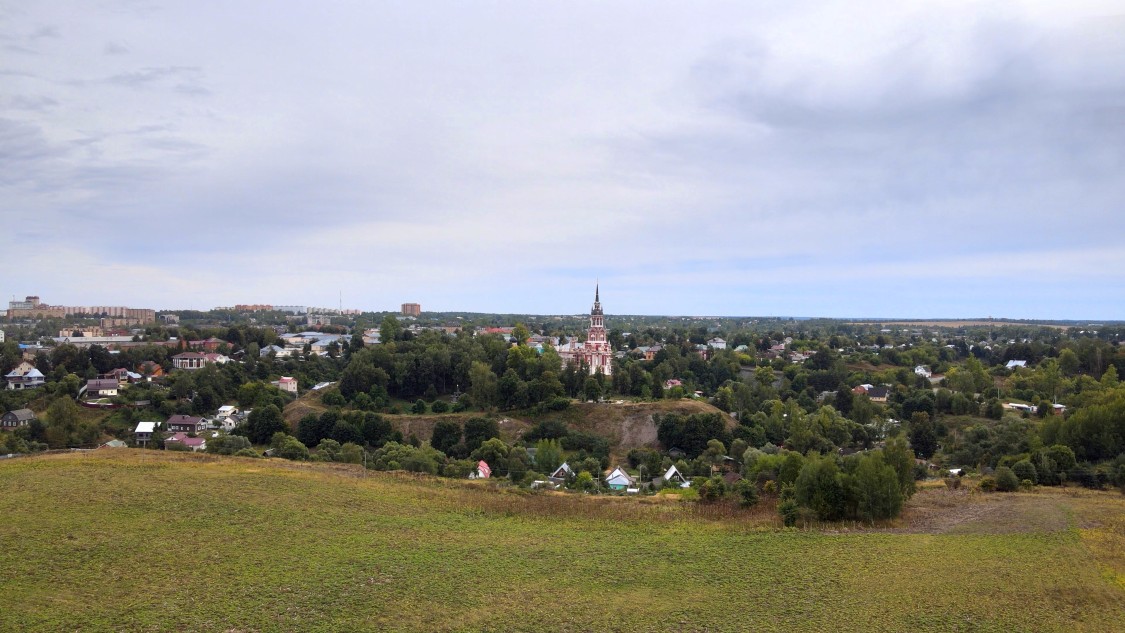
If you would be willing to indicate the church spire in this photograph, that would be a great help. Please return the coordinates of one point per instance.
(597, 291)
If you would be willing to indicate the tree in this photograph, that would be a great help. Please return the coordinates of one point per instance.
(478, 430)
(1006, 480)
(521, 334)
(419, 407)
(292, 448)
(391, 329)
(62, 422)
(483, 385)
(593, 389)
(494, 452)
(1025, 470)
(446, 436)
(879, 492)
(923, 435)
(820, 489)
(264, 422)
(548, 455)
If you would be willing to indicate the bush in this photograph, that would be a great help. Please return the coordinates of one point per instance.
(747, 493)
(1024, 469)
(953, 483)
(987, 484)
(292, 448)
(713, 489)
(247, 452)
(440, 406)
(419, 407)
(1006, 480)
(788, 510)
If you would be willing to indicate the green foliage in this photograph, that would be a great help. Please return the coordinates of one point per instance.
(746, 492)
(419, 407)
(227, 444)
(788, 510)
(712, 489)
(1006, 480)
(263, 422)
(292, 448)
(478, 430)
(690, 434)
(819, 487)
(396, 456)
(548, 455)
(494, 452)
(1024, 469)
(446, 436)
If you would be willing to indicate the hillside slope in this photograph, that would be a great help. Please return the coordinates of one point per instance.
(151, 541)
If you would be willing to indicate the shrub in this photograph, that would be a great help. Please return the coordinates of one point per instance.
(987, 484)
(788, 510)
(1006, 480)
(333, 399)
(292, 448)
(440, 406)
(247, 452)
(1024, 469)
(713, 489)
(953, 483)
(419, 407)
(747, 493)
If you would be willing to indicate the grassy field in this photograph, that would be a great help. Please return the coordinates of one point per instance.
(144, 541)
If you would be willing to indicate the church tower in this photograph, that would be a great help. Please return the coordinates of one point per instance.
(597, 352)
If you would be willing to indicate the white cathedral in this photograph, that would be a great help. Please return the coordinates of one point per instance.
(595, 352)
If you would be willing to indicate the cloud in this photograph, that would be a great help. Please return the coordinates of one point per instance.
(813, 158)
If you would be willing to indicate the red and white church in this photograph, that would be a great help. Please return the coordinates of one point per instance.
(595, 352)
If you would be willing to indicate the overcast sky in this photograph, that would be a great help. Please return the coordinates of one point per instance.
(898, 159)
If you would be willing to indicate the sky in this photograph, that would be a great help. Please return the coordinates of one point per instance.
(839, 159)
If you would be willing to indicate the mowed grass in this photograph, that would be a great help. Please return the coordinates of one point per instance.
(133, 540)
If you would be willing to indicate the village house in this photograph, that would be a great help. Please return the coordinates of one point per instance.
(102, 387)
(287, 384)
(923, 371)
(194, 443)
(618, 479)
(482, 471)
(25, 376)
(189, 360)
(717, 343)
(143, 433)
(674, 476)
(149, 371)
(186, 424)
(16, 418)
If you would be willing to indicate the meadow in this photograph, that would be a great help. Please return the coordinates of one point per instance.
(133, 540)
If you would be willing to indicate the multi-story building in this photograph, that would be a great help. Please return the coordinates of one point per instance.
(595, 352)
(411, 309)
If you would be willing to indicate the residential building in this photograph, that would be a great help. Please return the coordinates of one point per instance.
(194, 443)
(149, 370)
(287, 384)
(717, 343)
(618, 479)
(923, 371)
(189, 360)
(25, 376)
(16, 418)
(144, 431)
(102, 387)
(411, 309)
(186, 424)
(1, 336)
(595, 353)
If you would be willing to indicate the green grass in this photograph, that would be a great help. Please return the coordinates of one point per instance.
(145, 541)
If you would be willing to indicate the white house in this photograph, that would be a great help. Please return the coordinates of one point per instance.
(287, 384)
(482, 471)
(1012, 364)
(618, 479)
(227, 410)
(923, 371)
(25, 376)
(144, 431)
(717, 343)
(675, 476)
